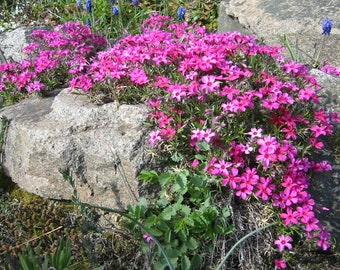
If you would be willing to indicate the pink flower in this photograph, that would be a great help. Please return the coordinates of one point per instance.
(35, 86)
(255, 133)
(280, 264)
(147, 238)
(318, 130)
(138, 76)
(154, 136)
(209, 84)
(243, 190)
(194, 164)
(283, 242)
(290, 217)
(208, 135)
(265, 189)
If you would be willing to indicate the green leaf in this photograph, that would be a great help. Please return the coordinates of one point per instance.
(148, 176)
(185, 263)
(197, 181)
(192, 243)
(166, 178)
(177, 157)
(196, 262)
(203, 146)
(182, 180)
(168, 212)
(201, 157)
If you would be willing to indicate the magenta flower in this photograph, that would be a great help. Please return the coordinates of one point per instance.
(283, 242)
(147, 238)
(280, 264)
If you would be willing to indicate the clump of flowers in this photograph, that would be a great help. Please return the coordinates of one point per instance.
(51, 59)
(231, 107)
(232, 114)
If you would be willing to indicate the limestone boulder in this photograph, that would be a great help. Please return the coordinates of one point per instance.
(301, 21)
(101, 147)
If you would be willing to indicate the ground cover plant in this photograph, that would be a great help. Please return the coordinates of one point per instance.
(230, 120)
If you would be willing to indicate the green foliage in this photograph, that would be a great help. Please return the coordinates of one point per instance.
(62, 259)
(184, 217)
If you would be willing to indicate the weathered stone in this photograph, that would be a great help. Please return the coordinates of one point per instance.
(301, 21)
(101, 147)
(12, 42)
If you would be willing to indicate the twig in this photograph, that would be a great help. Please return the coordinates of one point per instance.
(37, 237)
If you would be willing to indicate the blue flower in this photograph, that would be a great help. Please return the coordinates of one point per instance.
(115, 10)
(327, 26)
(79, 4)
(88, 22)
(112, 1)
(181, 13)
(89, 6)
(135, 3)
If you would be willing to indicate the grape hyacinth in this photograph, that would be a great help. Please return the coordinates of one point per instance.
(89, 6)
(181, 13)
(327, 26)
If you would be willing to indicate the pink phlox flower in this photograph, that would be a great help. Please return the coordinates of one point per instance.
(307, 94)
(168, 133)
(266, 159)
(279, 200)
(283, 242)
(312, 224)
(208, 135)
(292, 67)
(155, 103)
(154, 137)
(268, 144)
(315, 143)
(290, 133)
(178, 91)
(220, 168)
(265, 188)
(323, 242)
(318, 130)
(147, 238)
(209, 84)
(305, 213)
(138, 76)
(194, 164)
(290, 196)
(229, 91)
(280, 264)
(290, 216)
(164, 120)
(270, 103)
(243, 190)
(232, 178)
(35, 86)
(321, 166)
(331, 70)
(255, 133)
(197, 135)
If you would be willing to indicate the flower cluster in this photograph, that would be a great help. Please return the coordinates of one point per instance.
(258, 119)
(54, 55)
(234, 108)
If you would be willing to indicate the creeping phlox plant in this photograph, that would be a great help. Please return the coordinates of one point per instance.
(51, 59)
(227, 115)
(234, 115)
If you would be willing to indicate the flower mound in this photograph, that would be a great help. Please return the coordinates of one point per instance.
(234, 109)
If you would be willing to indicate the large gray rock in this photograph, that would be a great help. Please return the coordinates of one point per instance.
(101, 147)
(301, 21)
(12, 42)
